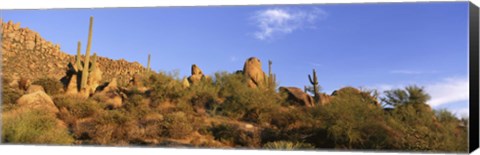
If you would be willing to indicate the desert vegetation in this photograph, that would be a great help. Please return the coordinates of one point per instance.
(240, 109)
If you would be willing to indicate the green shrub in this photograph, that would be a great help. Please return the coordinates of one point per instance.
(9, 98)
(177, 125)
(33, 127)
(165, 88)
(78, 106)
(111, 127)
(285, 145)
(234, 136)
(203, 96)
(50, 85)
(244, 103)
(350, 118)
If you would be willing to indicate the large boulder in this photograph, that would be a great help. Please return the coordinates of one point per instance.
(297, 96)
(34, 88)
(37, 100)
(136, 80)
(324, 99)
(110, 94)
(112, 86)
(197, 75)
(72, 85)
(254, 73)
(94, 78)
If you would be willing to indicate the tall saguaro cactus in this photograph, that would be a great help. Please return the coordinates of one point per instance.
(316, 88)
(269, 67)
(78, 62)
(270, 80)
(87, 56)
(148, 66)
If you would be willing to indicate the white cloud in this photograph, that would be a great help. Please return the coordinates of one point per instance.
(461, 112)
(315, 64)
(233, 58)
(445, 91)
(448, 90)
(274, 22)
(411, 72)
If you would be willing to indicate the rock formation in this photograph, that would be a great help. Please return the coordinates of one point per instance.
(26, 54)
(110, 94)
(254, 73)
(197, 75)
(297, 96)
(37, 100)
(35, 88)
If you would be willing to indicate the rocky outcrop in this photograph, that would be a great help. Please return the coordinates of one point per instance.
(254, 73)
(26, 54)
(197, 76)
(34, 88)
(297, 96)
(324, 99)
(37, 100)
(110, 94)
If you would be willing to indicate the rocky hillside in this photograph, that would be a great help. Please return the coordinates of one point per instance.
(25, 54)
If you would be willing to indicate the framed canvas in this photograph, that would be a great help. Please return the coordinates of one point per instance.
(318, 77)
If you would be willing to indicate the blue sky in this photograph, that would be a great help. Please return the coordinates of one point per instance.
(381, 46)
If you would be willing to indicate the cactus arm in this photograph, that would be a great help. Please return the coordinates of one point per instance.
(78, 62)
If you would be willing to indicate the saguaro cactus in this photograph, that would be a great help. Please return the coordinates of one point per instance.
(316, 88)
(269, 68)
(270, 80)
(87, 57)
(148, 66)
(78, 62)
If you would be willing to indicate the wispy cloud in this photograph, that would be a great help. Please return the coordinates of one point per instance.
(411, 72)
(448, 90)
(280, 21)
(233, 58)
(461, 112)
(445, 91)
(315, 64)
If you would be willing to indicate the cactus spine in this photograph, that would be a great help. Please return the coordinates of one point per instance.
(87, 57)
(316, 90)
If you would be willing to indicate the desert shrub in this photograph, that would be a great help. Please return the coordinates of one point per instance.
(244, 103)
(203, 96)
(50, 85)
(111, 127)
(137, 105)
(349, 120)
(78, 106)
(33, 127)
(286, 145)
(9, 98)
(165, 87)
(232, 135)
(177, 125)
